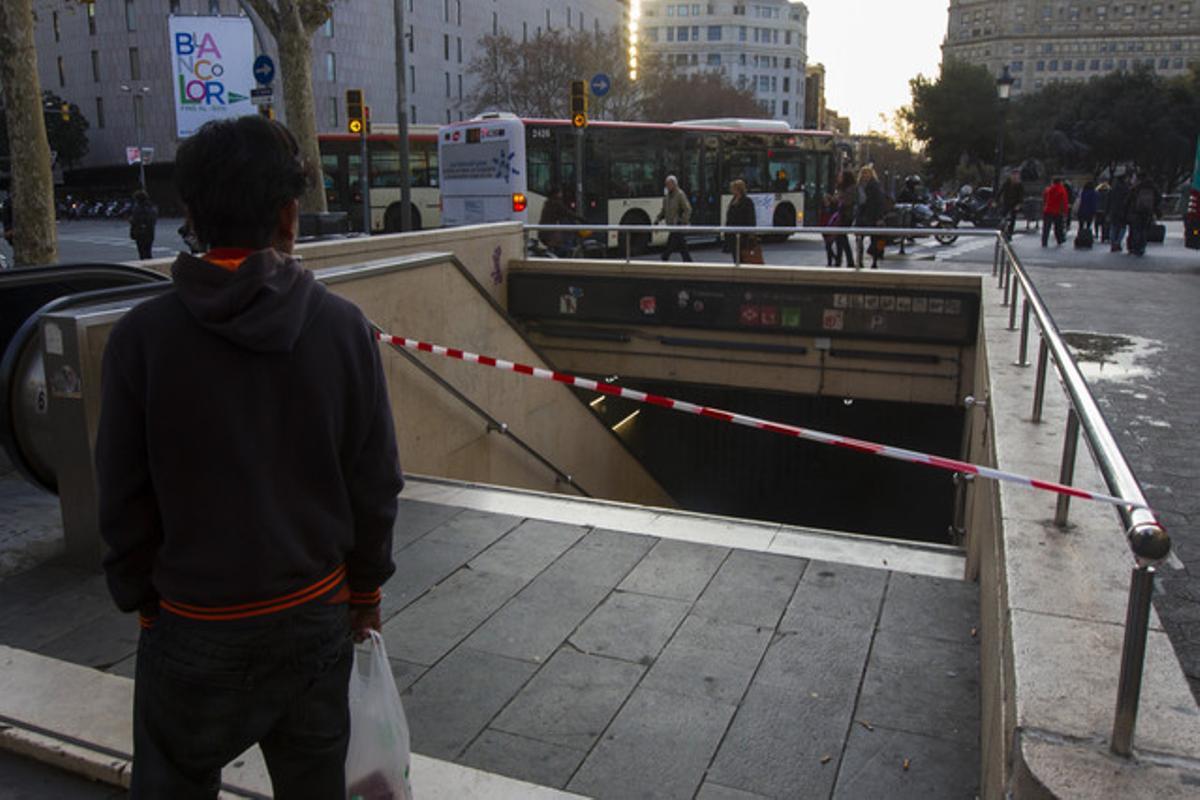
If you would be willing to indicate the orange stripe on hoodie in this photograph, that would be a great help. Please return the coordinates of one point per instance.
(227, 258)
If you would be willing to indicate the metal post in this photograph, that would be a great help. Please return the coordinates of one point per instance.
(996, 258)
(364, 181)
(1133, 659)
(737, 249)
(1066, 473)
(1023, 356)
(1012, 306)
(628, 245)
(1006, 280)
(402, 115)
(1039, 383)
(579, 173)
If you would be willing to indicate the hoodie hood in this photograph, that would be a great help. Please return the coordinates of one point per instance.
(263, 306)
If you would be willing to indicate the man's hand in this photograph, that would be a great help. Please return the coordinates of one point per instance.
(362, 620)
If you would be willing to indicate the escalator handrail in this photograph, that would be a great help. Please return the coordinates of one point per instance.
(11, 357)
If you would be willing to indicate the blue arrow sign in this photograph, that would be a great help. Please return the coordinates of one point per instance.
(600, 84)
(264, 69)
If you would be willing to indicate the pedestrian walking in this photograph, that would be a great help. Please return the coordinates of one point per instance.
(1101, 221)
(741, 214)
(676, 210)
(1118, 198)
(1088, 204)
(828, 218)
(1012, 195)
(142, 221)
(1054, 209)
(870, 212)
(1143, 208)
(847, 197)
(556, 212)
(248, 480)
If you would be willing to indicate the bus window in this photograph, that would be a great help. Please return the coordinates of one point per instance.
(333, 179)
(787, 171)
(539, 163)
(633, 167)
(385, 168)
(431, 162)
(746, 158)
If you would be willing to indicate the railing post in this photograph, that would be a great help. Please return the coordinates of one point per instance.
(1039, 383)
(1023, 354)
(1066, 473)
(1006, 280)
(996, 257)
(1150, 545)
(628, 245)
(1133, 659)
(737, 249)
(1012, 306)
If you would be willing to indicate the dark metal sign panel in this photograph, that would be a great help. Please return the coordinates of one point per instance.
(912, 315)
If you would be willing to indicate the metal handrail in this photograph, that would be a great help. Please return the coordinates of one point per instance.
(493, 424)
(1147, 539)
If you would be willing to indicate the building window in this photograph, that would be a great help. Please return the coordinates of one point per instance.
(460, 97)
(652, 34)
(458, 12)
(670, 34)
(174, 6)
(445, 47)
(412, 40)
(214, 7)
(495, 23)
(786, 84)
(327, 28)
(412, 78)
(445, 10)
(100, 112)
(459, 40)
(524, 32)
(91, 15)
(448, 119)
(447, 84)
(714, 33)
(95, 66)
(135, 65)
(332, 117)
(130, 16)
(714, 59)
(330, 67)
(741, 33)
(62, 75)
(1017, 66)
(54, 24)
(681, 33)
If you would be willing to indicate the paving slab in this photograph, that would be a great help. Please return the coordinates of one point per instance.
(778, 740)
(571, 700)
(836, 591)
(533, 624)
(602, 558)
(658, 746)
(674, 569)
(435, 624)
(26, 779)
(751, 588)
(930, 607)
(529, 548)
(415, 518)
(452, 703)
(420, 567)
(633, 627)
(475, 530)
(824, 657)
(709, 659)
(715, 791)
(906, 766)
(100, 642)
(922, 685)
(524, 759)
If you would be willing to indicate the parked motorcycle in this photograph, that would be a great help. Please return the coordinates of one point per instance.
(924, 215)
(976, 206)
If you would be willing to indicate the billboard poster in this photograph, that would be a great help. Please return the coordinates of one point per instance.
(212, 61)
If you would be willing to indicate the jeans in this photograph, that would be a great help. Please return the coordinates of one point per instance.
(842, 244)
(206, 691)
(675, 241)
(1116, 234)
(1056, 220)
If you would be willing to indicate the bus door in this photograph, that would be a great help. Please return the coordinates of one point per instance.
(699, 178)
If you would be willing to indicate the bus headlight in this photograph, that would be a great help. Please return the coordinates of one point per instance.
(519, 202)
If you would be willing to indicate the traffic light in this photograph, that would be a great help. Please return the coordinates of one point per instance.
(579, 104)
(65, 111)
(355, 115)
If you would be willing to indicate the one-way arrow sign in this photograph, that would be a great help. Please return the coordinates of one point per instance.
(600, 84)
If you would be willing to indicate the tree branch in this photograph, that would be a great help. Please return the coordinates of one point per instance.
(268, 14)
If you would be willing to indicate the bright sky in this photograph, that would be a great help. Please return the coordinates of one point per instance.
(870, 49)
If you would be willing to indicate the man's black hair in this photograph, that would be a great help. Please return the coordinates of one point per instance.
(235, 175)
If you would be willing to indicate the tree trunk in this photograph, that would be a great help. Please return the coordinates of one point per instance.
(32, 189)
(295, 66)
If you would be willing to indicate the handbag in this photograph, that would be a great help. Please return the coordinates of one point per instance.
(377, 760)
(752, 251)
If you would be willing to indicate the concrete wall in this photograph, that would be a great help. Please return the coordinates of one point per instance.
(436, 300)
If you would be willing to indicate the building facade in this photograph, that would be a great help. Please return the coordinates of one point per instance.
(87, 52)
(758, 44)
(814, 97)
(1055, 41)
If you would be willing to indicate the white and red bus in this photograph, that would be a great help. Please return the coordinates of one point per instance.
(499, 167)
(341, 164)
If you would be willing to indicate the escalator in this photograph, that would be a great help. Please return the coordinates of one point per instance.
(26, 295)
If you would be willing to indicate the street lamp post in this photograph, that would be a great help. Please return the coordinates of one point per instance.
(1003, 90)
(139, 123)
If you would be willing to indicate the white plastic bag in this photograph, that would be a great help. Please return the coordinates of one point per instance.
(377, 762)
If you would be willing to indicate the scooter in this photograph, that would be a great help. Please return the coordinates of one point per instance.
(924, 215)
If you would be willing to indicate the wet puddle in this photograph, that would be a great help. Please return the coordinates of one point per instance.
(1108, 357)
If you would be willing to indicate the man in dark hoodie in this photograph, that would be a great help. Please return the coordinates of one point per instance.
(248, 482)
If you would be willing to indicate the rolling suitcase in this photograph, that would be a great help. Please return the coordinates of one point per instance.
(1083, 239)
(1156, 233)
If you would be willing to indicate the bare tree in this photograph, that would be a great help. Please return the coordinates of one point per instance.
(292, 24)
(32, 188)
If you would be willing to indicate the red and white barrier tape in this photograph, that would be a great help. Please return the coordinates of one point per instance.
(898, 453)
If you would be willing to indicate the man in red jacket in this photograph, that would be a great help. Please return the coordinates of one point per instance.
(1054, 210)
(247, 477)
